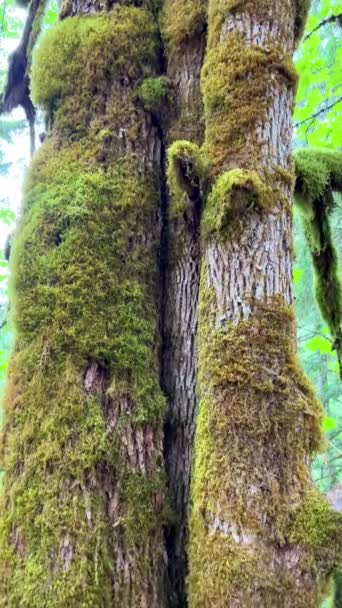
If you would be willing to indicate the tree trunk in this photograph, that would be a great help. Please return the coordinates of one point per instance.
(184, 32)
(257, 537)
(120, 286)
(83, 504)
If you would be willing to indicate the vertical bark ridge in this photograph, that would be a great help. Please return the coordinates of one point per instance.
(184, 33)
(83, 504)
(257, 526)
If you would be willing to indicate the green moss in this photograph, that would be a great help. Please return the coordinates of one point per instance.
(236, 99)
(318, 173)
(182, 20)
(262, 11)
(315, 523)
(154, 92)
(95, 52)
(233, 194)
(143, 506)
(60, 247)
(187, 175)
(338, 589)
(227, 564)
(258, 422)
(75, 302)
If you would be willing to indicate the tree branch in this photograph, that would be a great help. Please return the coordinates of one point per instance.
(326, 21)
(321, 111)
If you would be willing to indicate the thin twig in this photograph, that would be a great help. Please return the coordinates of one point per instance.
(326, 21)
(321, 111)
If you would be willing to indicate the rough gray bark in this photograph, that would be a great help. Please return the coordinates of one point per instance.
(181, 296)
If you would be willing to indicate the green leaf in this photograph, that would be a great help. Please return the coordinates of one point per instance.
(297, 275)
(328, 424)
(323, 345)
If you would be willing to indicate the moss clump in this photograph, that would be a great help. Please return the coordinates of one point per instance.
(318, 173)
(182, 20)
(232, 195)
(187, 175)
(154, 93)
(315, 523)
(236, 98)
(96, 52)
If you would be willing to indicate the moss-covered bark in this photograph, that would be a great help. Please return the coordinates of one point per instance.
(105, 262)
(318, 175)
(259, 534)
(83, 502)
(183, 26)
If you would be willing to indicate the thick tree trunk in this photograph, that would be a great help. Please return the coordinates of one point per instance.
(83, 503)
(108, 273)
(258, 537)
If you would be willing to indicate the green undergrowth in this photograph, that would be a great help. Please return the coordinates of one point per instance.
(258, 423)
(318, 174)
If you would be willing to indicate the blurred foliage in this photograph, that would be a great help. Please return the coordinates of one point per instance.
(319, 63)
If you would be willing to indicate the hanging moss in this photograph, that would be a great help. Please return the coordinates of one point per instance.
(302, 10)
(187, 176)
(338, 589)
(318, 174)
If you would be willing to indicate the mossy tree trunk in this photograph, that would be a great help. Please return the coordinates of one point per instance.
(126, 292)
(83, 503)
(259, 534)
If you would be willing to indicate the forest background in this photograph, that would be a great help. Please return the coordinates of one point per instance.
(317, 122)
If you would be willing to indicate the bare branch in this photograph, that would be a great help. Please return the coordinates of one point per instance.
(321, 111)
(331, 19)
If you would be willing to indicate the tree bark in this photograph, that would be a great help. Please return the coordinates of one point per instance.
(251, 542)
(83, 504)
(184, 32)
(125, 291)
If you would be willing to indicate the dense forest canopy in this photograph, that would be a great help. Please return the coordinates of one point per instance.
(316, 276)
